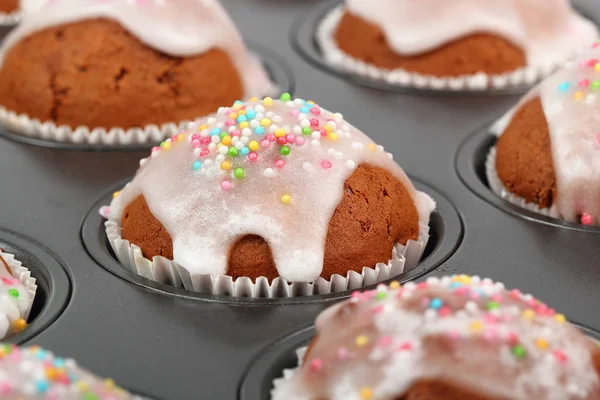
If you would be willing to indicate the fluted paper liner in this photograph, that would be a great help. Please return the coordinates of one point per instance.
(336, 57)
(8, 20)
(289, 372)
(23, 275)
(498, 187)
(163, 270)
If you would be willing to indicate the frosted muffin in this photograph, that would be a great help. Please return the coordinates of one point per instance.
(547, 156)
(272, 188)
(453, 338)
(126, 64)
(17, 292)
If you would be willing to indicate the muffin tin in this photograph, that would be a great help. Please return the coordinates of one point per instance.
(171, 344)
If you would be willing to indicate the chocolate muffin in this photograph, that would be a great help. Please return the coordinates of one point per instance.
(106, 67)
(9, 6)
(271, 188)
(457, 337)
(464, 37)
(548, 150)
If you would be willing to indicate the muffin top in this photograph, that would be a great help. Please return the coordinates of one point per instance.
(15, 300)
(571, 105)
(180, 28)
(411, 28)
(273, 168)
(34, 373)
(463, 330)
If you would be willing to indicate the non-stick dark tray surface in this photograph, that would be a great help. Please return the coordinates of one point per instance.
(173, 347)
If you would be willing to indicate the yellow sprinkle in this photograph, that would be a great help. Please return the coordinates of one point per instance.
(333, 137)
(180, 137)
(253, 145)
(394, 285)
(560, 318)
(226, 165)
(219, 145)
(109, 383)
(578, 95)
(253, 99)
(541, 343)
(203, 127)
(167, 145)
(366, 393)
(280, 133)
(233, 115)
(265, 122)
(19, 324)
(83, 386)
(371, 146)
(116, 194)
(244, 124)
(476, 326)
(268, 102)
(362, 340)
(34, 348)
(237, 107)
(328, 128)
(310, 102)
(226, 140)
(464, 279)
(242, 112)
(51, 374)
(286, 199)
(528, 314)
(597, 67)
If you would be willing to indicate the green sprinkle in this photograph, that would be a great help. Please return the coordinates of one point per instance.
(519, 352)
(381, 295)
(13, 292)
(239, 173)
(284, 150)
(222, 135)
(492, 305)
(306, 131)
(233, 152)
(286, 97)
(595, 85)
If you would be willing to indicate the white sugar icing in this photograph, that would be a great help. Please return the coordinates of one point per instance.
(204, 220)
(181, 28)
(571, 104)
(547, 30)
(464, 331)
(34, 373)
(15, 299)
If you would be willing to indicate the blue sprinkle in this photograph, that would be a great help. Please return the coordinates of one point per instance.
(59, 362)
(238, 102)
(241, 118)
(563, 87)
(304, 110)
(40, 354)
(259, 130)
(310, 105)
(436, 303)
(197, 165)
(245, 151)
(42, 386)
(455, 285)
(215, 132)
(250, 114)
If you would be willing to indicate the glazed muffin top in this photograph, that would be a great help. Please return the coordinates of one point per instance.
(469, 332)
(570, 113)
(274, 168)
(412, 28)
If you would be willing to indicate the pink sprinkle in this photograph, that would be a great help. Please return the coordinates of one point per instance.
(342, 353)
(196, 143)
(323, 132)
(295, 112)
(252, 157)
(445, 311)
(174, 138)
(586, 219)
(515, 294)
(9, 282)
(406, 346)
(265, 143)
(282, 140)
(237, 133)
(592, 63)
(155, 149)
(5, 388)
(355, 295)
(291, 138)
(204, 152)
(512, 338)
(326, 164)
(385, 341)
(299, 140)
(316, 365)
(490, 335)
(315, 110)
(280, 163)
(422, 285)
(195, 136)
(205, 140)
(454, 335)
(271, 137)
(475, 295)
(491, 318)
(560, 356)
(497, 298)
(598, 139)
(314, 122)
(584, 83)
(425, 302)
(230, 122)
(462, 290)
(225, 185)
(378, 309)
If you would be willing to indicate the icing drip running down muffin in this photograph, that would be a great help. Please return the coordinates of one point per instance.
(548, 152)
(271, 188)
(34, 373)
(457, 337)
(462, 37)
(16, 296)
(126, 64)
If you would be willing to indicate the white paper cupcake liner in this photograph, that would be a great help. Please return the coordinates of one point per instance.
(499, 189)
(288, 373)
(334, 56)
(10, 19)
(23, 275)
(163, 270)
